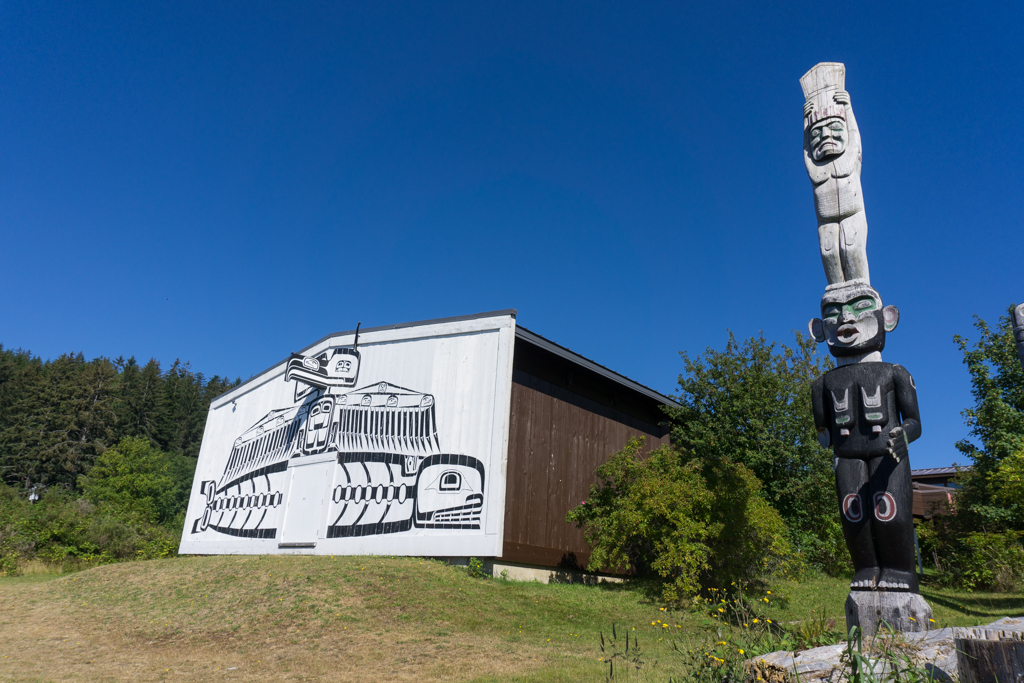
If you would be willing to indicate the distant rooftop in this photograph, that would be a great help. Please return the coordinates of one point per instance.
(939, 471)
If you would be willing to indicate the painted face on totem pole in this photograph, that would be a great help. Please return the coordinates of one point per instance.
(827, 138)
(853, 321)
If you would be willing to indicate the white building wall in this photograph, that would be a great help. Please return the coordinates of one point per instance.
(397, 448)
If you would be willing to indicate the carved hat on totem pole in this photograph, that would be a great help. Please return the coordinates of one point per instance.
(819, 85)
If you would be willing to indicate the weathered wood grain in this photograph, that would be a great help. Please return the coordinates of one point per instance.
(989, 655)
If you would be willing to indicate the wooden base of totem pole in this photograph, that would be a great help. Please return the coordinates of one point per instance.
(899, 611)
(987, 655)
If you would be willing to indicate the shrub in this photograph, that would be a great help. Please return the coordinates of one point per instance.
(61, 529)
(751, 403)
(974, 561)
(141, 481)
(672, 521)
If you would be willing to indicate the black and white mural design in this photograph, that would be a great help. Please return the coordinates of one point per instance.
(392, 441)
(363, 460)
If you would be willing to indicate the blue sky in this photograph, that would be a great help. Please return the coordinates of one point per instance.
(228, 182)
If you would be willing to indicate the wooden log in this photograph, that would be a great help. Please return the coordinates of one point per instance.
(989, 655)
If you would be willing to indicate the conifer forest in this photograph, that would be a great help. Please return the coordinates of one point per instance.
(57, 416)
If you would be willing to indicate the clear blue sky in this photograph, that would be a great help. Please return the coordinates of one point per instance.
(228, 182)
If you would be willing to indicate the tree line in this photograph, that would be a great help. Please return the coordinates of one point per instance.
(57, 416)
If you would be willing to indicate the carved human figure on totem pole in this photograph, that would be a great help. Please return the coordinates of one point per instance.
(866, 410)
(1018, 331)
(832, 156)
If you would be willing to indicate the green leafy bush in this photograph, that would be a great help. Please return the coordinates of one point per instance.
(62, 529)
(751, 404)
(990, 497)
(139, 480)
(974, 561)
(680, 523)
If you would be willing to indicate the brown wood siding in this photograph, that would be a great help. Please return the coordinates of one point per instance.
(557, 439)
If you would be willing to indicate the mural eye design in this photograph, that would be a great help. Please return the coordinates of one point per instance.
(311, 363)
(427, 401)
(392, 401)
(343, 366)
(366, 400)
(382, 388)
(451, 481)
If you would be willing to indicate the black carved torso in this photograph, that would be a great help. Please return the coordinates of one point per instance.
(859, 405)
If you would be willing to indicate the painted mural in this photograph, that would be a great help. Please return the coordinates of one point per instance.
(364, 461)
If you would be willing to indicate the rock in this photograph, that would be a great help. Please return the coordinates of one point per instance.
(900, 611)
(931, 650)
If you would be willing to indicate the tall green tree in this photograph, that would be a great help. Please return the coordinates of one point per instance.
(184, 414)
(61, 417)
(996, 420)
(750, 403)
(140, 398)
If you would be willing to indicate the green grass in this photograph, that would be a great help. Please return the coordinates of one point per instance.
(302, 613)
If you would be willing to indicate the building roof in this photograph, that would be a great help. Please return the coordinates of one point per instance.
(573, 357)
(939, 471)
(521, 334)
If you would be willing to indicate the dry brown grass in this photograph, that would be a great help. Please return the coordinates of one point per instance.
(245, 619)
(353, 619)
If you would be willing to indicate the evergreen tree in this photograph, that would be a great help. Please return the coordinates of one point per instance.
(57, 417)
(184, 412)
(141, 398)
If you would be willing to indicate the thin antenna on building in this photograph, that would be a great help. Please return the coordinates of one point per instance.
(356, 345)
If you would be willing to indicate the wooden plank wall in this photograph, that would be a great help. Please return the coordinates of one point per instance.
(557, 439)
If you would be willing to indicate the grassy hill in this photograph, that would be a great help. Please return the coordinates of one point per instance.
(299, 618)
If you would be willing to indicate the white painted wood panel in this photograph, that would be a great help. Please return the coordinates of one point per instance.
(395, 447)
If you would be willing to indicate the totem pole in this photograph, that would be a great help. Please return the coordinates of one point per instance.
(865, 409)
(1018, 331)
(832, 156)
